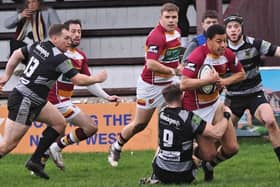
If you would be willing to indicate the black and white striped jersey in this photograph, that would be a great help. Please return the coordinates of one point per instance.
(177, 129)
(45, 63)
(249, 53)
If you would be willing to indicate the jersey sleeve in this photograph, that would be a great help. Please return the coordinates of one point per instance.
(85, 69)
(155, 45)
(67, 69)
(198, 124)
(263, 46)
(25, 51)
(193, 63)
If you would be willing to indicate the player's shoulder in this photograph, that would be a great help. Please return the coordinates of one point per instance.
(81, 52)
(198, 54)
(229, 53)
(156, 34)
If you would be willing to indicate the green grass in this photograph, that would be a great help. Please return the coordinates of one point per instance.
(255, 165)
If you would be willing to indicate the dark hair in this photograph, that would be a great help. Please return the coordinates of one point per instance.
(41, 4)
(56, 29)
(166, 7)
(233, 17)
(72, 21)
(215, 29)
(172, 93)
(210, 14)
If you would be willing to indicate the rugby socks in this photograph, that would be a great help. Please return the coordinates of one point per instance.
(221, 156)
(73, 137)
(49, 135)
(119, 144)
(277, 152)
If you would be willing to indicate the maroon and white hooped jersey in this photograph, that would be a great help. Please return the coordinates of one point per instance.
(164, 47)
(62, 90)
(194, 99)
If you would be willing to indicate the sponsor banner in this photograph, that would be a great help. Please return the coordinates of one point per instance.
(110, 120)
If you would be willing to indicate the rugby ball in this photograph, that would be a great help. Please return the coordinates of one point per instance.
(204, 73)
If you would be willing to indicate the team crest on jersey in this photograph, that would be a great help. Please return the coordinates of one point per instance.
(69, 63)
(190, 66)
(151, 101)
(153, 49)
(196, 120)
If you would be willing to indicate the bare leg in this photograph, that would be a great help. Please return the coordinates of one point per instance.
(264, 114)
(13, 133)
(140, 122)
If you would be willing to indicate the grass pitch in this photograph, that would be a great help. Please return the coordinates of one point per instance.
(255, 165)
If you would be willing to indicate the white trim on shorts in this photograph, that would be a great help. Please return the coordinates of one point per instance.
(208, 113)
(68, 107)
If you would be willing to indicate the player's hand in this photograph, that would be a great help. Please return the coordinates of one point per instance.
(179, 69)
(101, 76)
(213, 77)
(221, 83)
(3, 80)
(114, 98)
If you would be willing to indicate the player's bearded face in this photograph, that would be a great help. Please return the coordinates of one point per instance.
(169, 20)
(234, 31)
(76, 33)
(217, 45)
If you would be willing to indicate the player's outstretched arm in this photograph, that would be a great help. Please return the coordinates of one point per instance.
(97, 90)
(13, 61)
(217, 131)
(277, 52)
(85, 80)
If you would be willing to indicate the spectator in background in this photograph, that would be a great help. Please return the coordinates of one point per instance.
(31, 22)
(183, 22)
(209, 18)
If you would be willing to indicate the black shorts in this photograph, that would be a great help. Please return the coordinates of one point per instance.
(22, 109)
(238, 104)
(169, 177)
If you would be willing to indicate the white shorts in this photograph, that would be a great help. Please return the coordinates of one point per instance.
(208, 113)
(148, 95)
(68, 110)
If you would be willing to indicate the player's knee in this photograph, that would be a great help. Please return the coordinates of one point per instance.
(90, 129)
(230, 151)
(207, 155)
(233, 150)
(6, 148)
(59, 126)
(139, 127)
(270, 124)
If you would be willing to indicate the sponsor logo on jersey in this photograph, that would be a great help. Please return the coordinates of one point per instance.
(42, 51)
(153, 49)
(196, 120)
(190, 66)
(172, 54)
